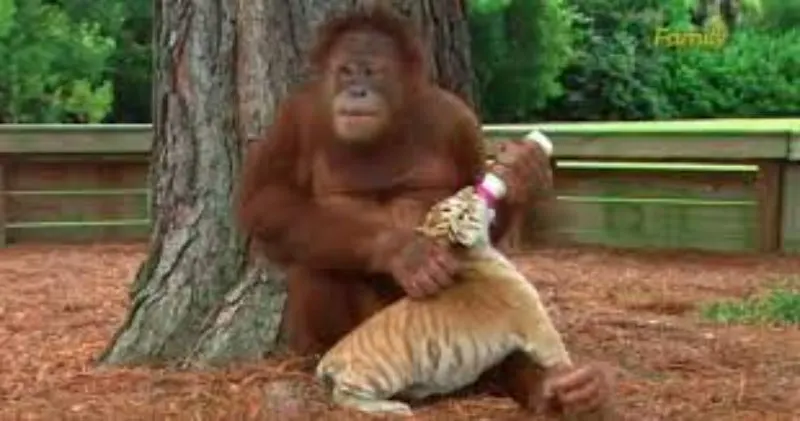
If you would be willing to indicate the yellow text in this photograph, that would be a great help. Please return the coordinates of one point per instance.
(714, 37)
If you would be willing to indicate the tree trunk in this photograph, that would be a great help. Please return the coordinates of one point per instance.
(221, 66)
(444, 29)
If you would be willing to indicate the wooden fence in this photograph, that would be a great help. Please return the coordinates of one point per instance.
(711, 184)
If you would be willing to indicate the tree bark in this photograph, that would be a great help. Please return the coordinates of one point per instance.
(221, 67)
(443, 26)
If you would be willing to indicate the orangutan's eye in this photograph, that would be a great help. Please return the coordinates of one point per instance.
(346, 70)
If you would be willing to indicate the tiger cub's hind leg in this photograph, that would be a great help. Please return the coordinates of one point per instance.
(545, 347)
(539, 338)
(367, 401)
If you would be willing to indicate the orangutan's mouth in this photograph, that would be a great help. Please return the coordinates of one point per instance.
(357, 113)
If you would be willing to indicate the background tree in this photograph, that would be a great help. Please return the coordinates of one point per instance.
(730, 12)
(91, 61)
(519, 47)
(52, 67)
(221, 66)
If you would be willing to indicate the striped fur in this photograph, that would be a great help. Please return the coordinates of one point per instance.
(417, 348)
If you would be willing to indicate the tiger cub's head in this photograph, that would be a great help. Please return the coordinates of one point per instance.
(461, 219)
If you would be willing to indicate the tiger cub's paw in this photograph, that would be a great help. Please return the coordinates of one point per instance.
(377, 406)
(367, 401)
(388, 407)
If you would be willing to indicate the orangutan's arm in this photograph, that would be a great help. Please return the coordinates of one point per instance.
(278, 212)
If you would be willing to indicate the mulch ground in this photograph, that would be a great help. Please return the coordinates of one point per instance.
(59, 306)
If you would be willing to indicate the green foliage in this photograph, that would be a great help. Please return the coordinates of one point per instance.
(755, 74)
(488, 6)
(52, 67)
(80, 98)
(780, 15)
(616, 72)
(519, 49)
(130, 66)
(715, 11)
(779, 306)
(7, 11)
(133, 64)
(109, 15)
(90, 60)
(619, 73)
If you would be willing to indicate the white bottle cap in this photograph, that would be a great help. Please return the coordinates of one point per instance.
(495, 185)
(542, 140)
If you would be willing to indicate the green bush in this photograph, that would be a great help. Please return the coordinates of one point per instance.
(52, 67)
(133, 65)
(780, 15)
(755, 74)
(619, 73)
(616, 71)
(129, 23)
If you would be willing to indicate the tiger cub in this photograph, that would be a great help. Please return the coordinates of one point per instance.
(413, 349)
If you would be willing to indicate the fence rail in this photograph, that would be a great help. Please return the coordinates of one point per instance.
(705, 184)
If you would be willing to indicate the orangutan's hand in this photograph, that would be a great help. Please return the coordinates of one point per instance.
(419, 265)
(585, 388)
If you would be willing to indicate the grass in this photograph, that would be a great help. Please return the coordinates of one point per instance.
(778, 306)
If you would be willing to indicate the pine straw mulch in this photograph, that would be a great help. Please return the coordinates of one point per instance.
(59, 306)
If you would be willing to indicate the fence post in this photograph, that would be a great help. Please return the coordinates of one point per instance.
(769, 206)
(790, 229)
(2, 205)
(790, 200)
